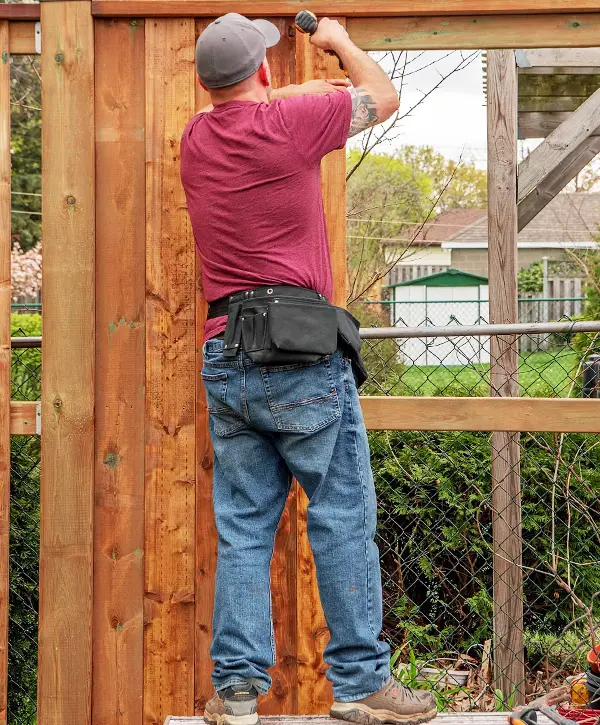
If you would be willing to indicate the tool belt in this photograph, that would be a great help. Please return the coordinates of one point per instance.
(286, 325)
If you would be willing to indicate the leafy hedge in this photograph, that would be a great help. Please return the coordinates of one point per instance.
(24, 536)
(435, 534)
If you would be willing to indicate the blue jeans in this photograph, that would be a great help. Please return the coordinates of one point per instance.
(268, 424)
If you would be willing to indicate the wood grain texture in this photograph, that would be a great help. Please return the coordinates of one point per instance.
(19, 11)
(283, 696)
(22, 38)
(170, 378)
(556, 180)
(553, 58)
(448, 718)
(120, 374)
(5, 355)
(314, 691)
(23, 418)
(474, 32)
(347, 8)
(67, 461)
(509, 665)
(540, 124)
(559, 144)
(206, 532)
(558, 415)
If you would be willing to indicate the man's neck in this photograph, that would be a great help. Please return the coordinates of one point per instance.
(259, 95)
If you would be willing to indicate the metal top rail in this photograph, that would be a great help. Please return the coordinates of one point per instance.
(534, 328)
(380, 333)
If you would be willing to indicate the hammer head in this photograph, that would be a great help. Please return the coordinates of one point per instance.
(306, 22)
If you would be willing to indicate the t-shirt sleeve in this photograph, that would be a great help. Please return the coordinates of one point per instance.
(317, 124)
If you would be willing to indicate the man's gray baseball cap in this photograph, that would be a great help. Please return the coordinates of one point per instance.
(232, 48)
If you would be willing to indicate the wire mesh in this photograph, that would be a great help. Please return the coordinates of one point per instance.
(25, 455)
(437, 514)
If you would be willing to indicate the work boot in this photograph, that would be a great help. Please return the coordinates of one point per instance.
(394, 703)
(236, 705)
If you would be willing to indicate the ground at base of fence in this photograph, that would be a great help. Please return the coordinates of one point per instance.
(444, 718)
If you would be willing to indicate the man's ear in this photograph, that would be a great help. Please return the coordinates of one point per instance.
(264, 74)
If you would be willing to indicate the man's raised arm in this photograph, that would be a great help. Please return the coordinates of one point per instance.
(374, 98)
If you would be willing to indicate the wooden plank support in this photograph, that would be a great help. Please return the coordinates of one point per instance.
(474, 32)
(5, 358)
(557, 159)
(120, 373)
(19, 11)
(509, 663)
(25, 418)
(557, 415)
(67, 489)
(539, 124)
(557, 179)
(558, 60)
(22, 38)
(314, 691)
(347, 8)
(170, 378)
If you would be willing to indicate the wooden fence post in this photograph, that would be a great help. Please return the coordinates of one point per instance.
(314, 690)
(4, 359)
(67, 488)
(120, 373)
(506, 481)
(170, 507)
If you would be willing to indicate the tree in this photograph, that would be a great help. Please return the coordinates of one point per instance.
(468, 188)
(26, 151)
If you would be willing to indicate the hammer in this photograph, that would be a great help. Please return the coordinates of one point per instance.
(306, 22)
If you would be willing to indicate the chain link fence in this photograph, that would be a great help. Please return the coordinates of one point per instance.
(25, 454)
(437, 515)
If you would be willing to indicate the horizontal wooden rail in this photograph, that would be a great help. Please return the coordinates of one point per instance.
(19, 11)
(557, 415)
(24, 418)
(21, 37)
(345, 8)
(476, 31)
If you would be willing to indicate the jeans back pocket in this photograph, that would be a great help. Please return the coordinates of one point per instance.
(302, 398)
(224, 419)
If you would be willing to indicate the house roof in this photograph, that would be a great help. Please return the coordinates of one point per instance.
(448, 278)
(569, 220)
(442, 228)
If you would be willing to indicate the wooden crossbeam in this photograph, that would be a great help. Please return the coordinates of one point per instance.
(558, 415)
(557, 179)
(573, 59)
(538, 124)
(539, 172)
(351, 8)
(22, 38)
(25, 418)
(468, 32)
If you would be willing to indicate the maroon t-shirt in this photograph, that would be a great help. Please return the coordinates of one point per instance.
(251, 174)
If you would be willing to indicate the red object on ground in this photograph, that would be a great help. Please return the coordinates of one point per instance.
(586, 717)
(593, 659)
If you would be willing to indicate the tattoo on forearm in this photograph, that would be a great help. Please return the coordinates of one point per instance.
(364, 111)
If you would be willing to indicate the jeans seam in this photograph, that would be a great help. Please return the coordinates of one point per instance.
(362, 695)
(362, 489)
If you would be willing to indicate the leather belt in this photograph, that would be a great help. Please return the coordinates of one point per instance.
(220, 307)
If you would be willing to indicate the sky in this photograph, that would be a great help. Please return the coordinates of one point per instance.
(453, 117)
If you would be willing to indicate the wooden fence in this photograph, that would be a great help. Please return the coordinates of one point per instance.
(128, 542)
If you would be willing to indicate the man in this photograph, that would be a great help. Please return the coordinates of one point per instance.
(280, 365)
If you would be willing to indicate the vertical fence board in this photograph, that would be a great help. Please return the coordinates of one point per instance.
(66, 501)
(506, 481)
(282, 698)
(4, 358)
(314, 690)
(120, 372)
(206, 534)
(170, 379)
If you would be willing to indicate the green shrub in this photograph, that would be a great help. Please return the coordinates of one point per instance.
(435, 533)
(24, 534)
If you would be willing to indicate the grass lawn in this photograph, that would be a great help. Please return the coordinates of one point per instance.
(541, 374)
